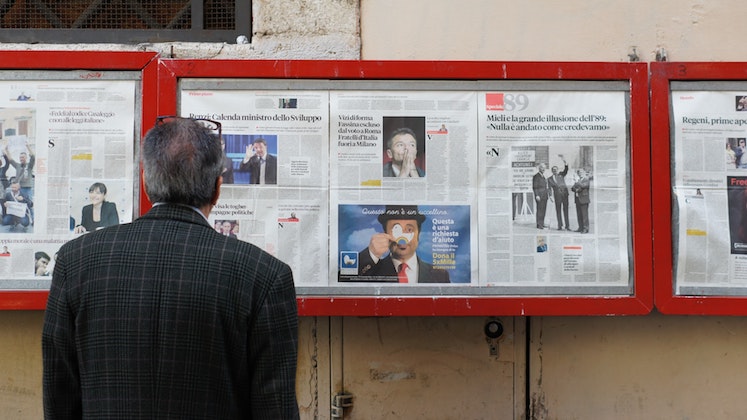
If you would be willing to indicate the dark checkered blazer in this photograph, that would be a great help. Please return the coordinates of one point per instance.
(164, 318)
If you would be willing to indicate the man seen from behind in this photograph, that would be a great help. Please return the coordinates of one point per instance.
(165, 318)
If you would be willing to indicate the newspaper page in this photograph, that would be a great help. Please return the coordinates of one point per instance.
(710, 191)
(553, 205)
(403, 182)
(66, 169)
(275, 184)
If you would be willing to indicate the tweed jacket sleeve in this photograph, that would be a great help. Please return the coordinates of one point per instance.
(62, 391)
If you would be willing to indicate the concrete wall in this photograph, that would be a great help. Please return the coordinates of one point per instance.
(653, 366)
(546, 30)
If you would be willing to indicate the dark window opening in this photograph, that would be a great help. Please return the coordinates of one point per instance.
(123, 21)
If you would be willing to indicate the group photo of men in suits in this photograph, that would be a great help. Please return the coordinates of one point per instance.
(562, 188)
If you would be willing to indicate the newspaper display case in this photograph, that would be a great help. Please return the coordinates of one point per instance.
(69, 121)
(456, 167)
(699, 127)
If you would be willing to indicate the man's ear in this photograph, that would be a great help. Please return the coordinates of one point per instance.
(145, 189)
(389, 153)
(216, 194)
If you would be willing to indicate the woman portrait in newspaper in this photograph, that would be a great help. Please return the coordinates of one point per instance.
(100, 213)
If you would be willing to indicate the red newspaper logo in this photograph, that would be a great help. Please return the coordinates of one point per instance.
(494, 102)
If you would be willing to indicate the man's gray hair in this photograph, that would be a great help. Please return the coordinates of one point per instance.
(181, 162)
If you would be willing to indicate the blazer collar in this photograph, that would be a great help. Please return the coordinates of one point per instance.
(176, 212)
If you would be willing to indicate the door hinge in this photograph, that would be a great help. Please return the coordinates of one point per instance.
(339, 403)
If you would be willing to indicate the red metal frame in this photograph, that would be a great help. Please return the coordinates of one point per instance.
(170, 71)
(94, 62)
(665, 299)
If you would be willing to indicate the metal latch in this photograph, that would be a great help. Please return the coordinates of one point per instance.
(339, 402)
(493, 334)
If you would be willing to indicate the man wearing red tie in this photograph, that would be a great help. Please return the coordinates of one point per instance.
(401, 226)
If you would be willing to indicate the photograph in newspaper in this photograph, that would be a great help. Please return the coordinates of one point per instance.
(66, 168)
(96, 206)
(736, 187)
(408, 146)
(404, 149)
(17, 172)
(275, 183)
(709, 185)
(259, 162)
(404, 244)
(555, 203)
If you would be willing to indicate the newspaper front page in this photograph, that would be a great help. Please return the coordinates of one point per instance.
(404, 191)
(553, 195)
(403, 188)
(275, 182)
(710, 192)
(66, 167)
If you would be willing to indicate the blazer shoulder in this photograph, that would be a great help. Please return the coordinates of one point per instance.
(245, 252)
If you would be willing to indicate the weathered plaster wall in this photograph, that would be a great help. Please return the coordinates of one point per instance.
(546, 30)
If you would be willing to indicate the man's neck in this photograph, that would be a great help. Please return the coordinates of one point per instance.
(409, 259)
(205, 210)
